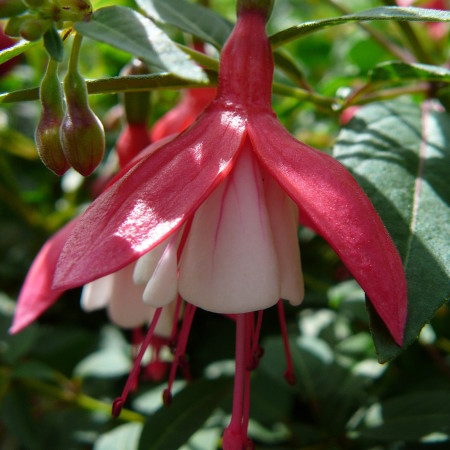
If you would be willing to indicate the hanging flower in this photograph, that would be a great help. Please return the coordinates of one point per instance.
(217, 209)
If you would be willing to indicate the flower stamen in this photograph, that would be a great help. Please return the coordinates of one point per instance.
(134, 374)
(180, 358)
(289, 374)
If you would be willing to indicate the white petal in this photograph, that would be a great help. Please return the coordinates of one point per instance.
(229, 263)
(165, 322)
(126, 307)
(146, 264)
(284, 220)
(96, 295)
(162, 287)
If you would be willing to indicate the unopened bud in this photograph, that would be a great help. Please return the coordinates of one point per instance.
(10, 8)
(33, 29)
(47, 131)
(75, 10)
(82, 135)
(12, 27)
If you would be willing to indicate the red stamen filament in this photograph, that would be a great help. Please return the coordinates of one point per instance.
(235, 435)
(134, 374)
(289, 374)
(179, 358)
(176, 319)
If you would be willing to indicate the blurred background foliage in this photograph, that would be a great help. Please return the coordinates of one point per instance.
(59, 376)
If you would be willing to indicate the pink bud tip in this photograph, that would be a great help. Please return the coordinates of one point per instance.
(117, 407)
(290, 378)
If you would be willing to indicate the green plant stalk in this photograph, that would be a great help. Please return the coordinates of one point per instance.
(392, 48)
(413, 40)
(386, 94)
(80, 399)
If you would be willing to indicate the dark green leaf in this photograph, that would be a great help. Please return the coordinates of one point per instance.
(53, 44)
(382, 13)
(131, 32)
(16, 50)
(173, 426)
(400, 71)
(399, 152)
(15, 414)
(189, 17)
(409, 418)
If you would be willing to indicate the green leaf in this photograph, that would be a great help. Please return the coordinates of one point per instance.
(409, 418)
(400, 71)
(190, 18)
(16, 50)
(124, 437)
(410, 14)
(131, 32)
(399, 153)
(173, 426)
(53, 44)
(112, 360)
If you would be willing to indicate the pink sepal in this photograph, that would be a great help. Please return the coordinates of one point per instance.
(37, 293)
(332, 202)
(152, 200)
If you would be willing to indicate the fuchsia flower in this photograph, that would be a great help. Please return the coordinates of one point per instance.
(219, 204)
(212, 216)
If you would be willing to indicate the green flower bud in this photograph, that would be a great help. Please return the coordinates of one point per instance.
(34, 4)
(75, 10)
(47, 131)
(10, 8)
(13, 25)
(82, 135)
(33, 29)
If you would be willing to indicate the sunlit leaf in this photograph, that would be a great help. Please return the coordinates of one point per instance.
(131, 32)
(410, 14)
(16, 50)
(400, 71)
(399, 153)
(189, 17)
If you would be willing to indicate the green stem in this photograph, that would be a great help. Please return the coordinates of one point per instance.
(411, 37)
(386, 94)
(395, 50)
(304, 95)
(75, 53)
(79, 399)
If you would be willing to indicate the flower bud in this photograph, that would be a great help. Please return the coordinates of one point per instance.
(12, 27)
(33, 29)
(34, 4)
(47, 131)
(82, 135)
(9, 8)
(75, 10)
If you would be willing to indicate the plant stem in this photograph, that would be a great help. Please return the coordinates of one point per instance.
(392, 48)
(411, 37)
(79, 399)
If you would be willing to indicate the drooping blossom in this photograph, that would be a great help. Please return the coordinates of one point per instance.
(220, 204)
